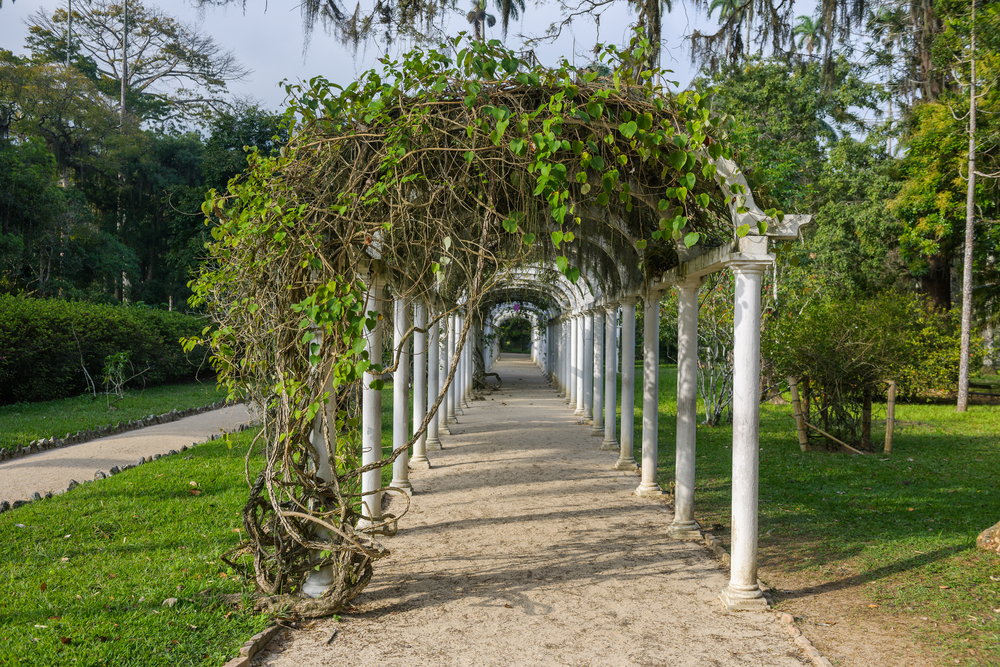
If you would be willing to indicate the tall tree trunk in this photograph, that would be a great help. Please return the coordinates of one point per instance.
(970, 223)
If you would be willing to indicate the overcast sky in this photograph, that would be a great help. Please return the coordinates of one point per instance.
(267, 38)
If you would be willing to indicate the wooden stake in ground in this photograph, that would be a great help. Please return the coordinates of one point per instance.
(800, 421)
(890, 417)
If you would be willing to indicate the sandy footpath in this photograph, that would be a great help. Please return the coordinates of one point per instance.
(523, 547)
(53, 470)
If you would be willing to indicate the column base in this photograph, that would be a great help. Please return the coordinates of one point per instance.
(451, 419)
(317, 581)
(459, 411)
(739, 600)
(597, 431)
(626, 464)
(578, 412)
(365, 524)
(422, 463)
(612, 446)
(648, 490)
(684, 530)
(403, 486)
(434, 444)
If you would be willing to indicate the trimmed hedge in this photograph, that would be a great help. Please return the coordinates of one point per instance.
(41, 342)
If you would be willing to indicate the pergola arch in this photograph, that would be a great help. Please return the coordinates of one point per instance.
(448, 183)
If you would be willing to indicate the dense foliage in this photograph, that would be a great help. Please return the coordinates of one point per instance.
(849, 349)
(50, 346)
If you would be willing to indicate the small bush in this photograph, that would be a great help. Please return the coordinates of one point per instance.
(849, 349)
(46, 343)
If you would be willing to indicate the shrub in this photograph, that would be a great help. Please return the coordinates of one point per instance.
(45, 344)
(848, 349)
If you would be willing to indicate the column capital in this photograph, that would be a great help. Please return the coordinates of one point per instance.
(611, 308)
(630, 300)
(691, 283)
(750, 266)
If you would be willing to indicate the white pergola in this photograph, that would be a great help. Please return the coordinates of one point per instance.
(576, 345)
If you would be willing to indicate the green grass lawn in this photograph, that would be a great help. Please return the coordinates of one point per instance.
(21, 423)
(902, 529)
(83, 581)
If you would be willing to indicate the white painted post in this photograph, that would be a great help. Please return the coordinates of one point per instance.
(452, 393)
(626, 456)
(433, 354)
(581, 366)
(420, 387)
(588, 366)
(573, 344)
(684, 527)
(743, 591)
(610, 377)
(317, 581)
(650, 394)
(371, 415)
(442, 373)
(401, 397)
(564, 345)
(597, 372)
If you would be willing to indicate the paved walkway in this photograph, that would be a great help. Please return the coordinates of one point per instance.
(524, 547)
(53, 470)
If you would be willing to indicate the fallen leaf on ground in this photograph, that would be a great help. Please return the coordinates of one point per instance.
(169, 602)
(43, 586)
(195, 492)
(944, 587)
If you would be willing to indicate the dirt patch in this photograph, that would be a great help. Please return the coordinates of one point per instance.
(524, 547)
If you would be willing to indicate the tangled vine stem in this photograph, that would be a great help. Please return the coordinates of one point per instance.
(439, 175)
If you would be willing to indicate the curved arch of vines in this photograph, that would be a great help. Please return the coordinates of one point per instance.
(441, 172)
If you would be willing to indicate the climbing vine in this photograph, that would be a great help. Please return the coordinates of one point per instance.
(440, 172)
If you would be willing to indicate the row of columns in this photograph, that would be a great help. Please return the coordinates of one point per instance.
(584, 355)
(580, 354)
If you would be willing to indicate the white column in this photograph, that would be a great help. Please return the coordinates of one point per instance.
(317, 581)
(371, 416)
(460, 378)
(561, 357)
(452, 394)
(433, 355)
(610, 378)
(588, 366)
(581, 344)
(457, 382)
(743, 592)
(420, 387)
(444, 327)
(684, 526)
(650, 393)
(626, 457)
(467, 375)
(597, 374)
(401, 397)
(573, 345)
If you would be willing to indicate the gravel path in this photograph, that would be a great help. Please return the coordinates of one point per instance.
(523, 547)
(53, 470)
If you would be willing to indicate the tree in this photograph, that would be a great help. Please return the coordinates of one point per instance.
(171, 70)
(810, 34)
(727, 8)
(477, 17)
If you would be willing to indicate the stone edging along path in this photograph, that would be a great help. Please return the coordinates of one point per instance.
(81, 437)
(787, 621)
(121, 428)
